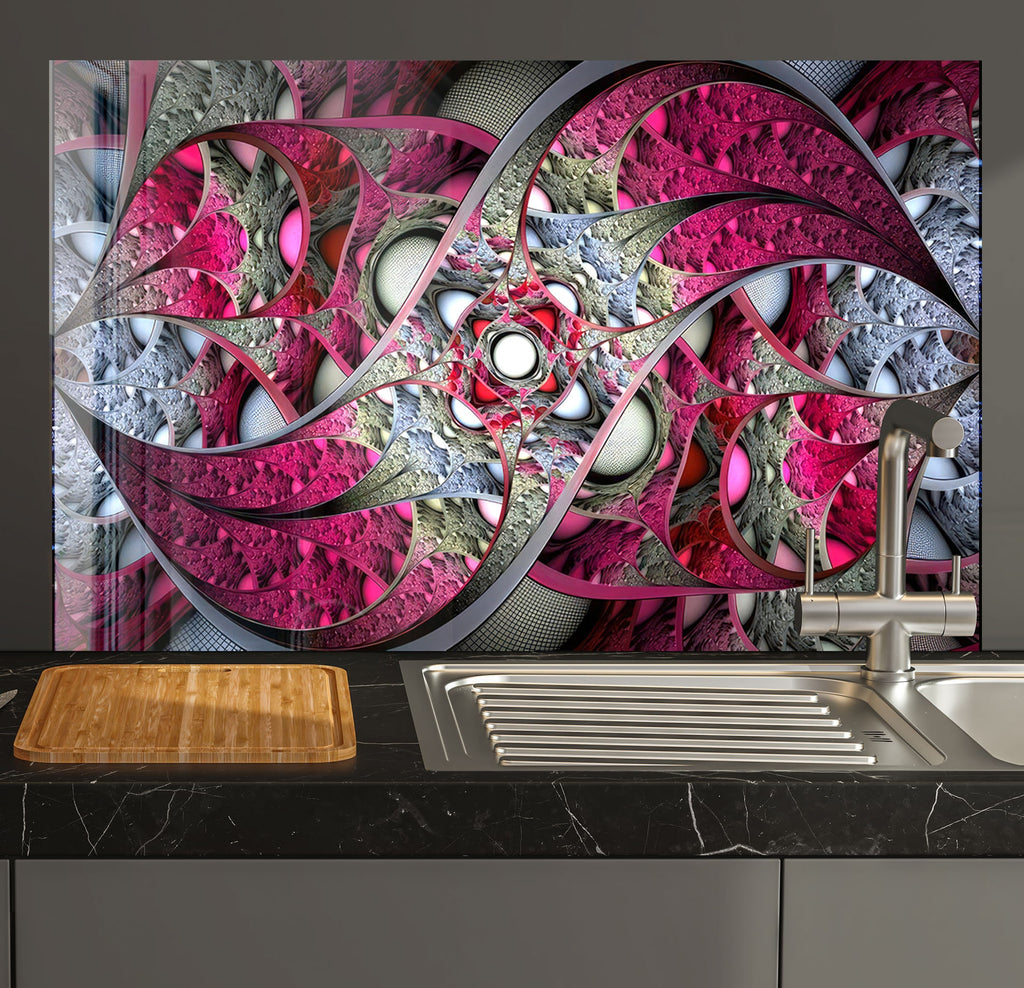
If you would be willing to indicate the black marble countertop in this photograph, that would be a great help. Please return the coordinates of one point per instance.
(384, 803)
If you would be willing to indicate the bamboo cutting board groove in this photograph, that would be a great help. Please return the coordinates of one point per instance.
(188, 713)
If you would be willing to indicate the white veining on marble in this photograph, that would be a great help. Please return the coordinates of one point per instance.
(1017, 797)
(693, 814)
(928, 819)
(81, 820)
(575, 822)
(734, 847)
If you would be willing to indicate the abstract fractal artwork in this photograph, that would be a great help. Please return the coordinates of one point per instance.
(502, 355)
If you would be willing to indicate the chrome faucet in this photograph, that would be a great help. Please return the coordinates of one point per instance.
(890, 615)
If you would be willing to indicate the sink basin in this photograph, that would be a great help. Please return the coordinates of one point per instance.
(586, 714)
(990, 710)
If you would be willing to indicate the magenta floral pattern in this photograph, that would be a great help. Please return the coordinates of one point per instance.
(501, 356)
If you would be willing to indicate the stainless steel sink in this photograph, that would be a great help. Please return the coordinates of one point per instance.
(585, 714)
(990, 710)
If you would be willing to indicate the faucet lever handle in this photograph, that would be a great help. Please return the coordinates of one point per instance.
(955, 578)
(809, 562)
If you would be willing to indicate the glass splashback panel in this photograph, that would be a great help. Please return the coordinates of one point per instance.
(501, 355)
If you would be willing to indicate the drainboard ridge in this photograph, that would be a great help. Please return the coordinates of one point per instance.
(547, 725)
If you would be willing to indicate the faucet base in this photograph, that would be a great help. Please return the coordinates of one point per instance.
(870, 675)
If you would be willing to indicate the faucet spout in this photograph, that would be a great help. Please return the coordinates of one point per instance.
(943, 433)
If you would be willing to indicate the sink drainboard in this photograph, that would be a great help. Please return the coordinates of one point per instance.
(488, 717)
(530, 725)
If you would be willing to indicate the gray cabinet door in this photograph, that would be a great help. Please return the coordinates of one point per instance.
(5, 924)
(397, 923)
(935, 923)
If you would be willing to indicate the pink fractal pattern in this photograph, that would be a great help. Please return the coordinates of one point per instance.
(501, 355)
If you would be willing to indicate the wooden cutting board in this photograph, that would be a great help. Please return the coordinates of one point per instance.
(188, 713)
